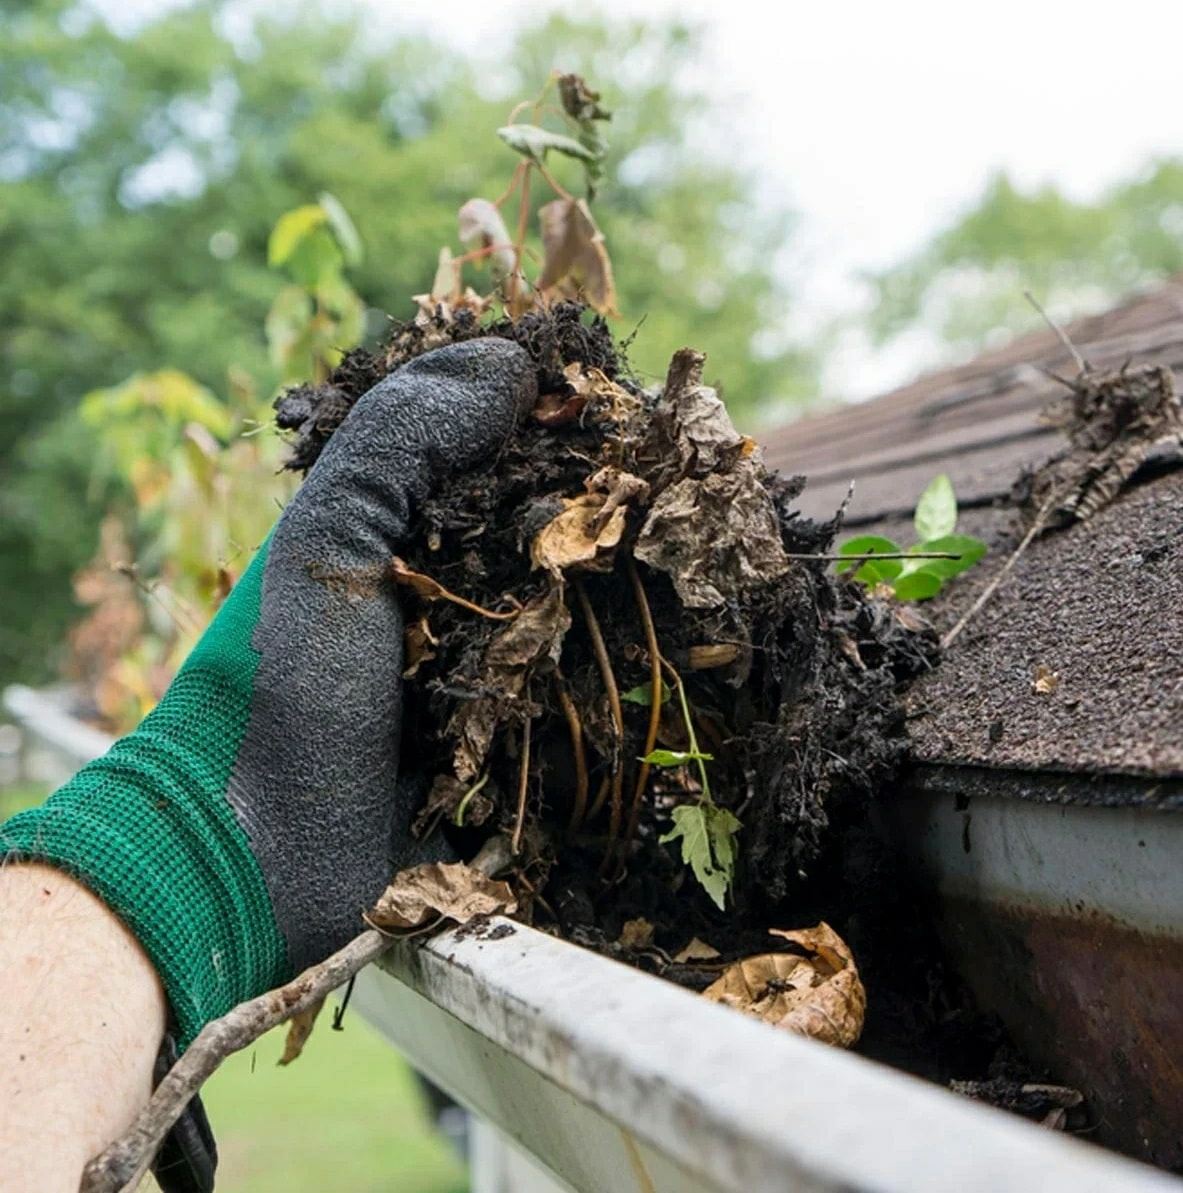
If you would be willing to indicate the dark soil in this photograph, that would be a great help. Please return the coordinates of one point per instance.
(800, 707)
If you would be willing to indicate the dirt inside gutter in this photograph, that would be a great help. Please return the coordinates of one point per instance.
(805, 718)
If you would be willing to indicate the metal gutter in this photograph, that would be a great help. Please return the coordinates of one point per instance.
(618, 1081)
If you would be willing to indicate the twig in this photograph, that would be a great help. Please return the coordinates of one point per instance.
(523, 787)
(655, 694)
(874, 555)
(575, 728)
(121, 1166)
(1081, 363)
(1039, 524)
(609, 678)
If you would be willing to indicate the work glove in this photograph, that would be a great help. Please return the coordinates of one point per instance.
(258, 809)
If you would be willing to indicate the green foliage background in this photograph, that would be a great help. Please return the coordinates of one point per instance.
(140, 175)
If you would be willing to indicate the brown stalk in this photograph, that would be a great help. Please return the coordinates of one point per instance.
(609, 678)
(523, 786)
(575, 727)
(655, 692)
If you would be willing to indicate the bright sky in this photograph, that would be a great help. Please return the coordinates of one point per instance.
(877, 120)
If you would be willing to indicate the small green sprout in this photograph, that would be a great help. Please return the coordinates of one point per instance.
(918, 579)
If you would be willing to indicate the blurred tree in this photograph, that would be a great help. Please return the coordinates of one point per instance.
(968, 282)
(140, 176)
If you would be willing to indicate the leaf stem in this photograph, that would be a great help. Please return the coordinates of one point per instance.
(690, 733)
(655, 695)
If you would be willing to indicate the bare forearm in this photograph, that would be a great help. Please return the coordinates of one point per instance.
(83, 1017)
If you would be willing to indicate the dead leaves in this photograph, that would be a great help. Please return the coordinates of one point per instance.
(584, 536)
(436, 892)
(575, 261)
(818, 994)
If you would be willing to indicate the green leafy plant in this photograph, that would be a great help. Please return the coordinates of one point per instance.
(706, 831)
(918, 578)
(319, 316)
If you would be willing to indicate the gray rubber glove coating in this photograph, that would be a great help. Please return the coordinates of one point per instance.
(316, 783)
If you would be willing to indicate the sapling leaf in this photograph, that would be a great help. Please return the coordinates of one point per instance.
(290, 229)
(936, 511)
(643, 694)
(343, 228)
(871, 572)
(671, 758)
(708, 848)
(916, 586)
(970, 550)
(534, 142)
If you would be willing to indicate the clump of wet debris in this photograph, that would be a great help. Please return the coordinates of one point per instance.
(627, 581)
(628, 655)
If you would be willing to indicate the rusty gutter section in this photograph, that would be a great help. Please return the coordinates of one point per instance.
(1059, 898)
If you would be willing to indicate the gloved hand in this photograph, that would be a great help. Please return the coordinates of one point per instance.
(252, 816)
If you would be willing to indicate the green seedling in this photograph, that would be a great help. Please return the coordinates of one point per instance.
(917, 579)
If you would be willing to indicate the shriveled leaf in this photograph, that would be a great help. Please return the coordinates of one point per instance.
(575, 260)
(916, 586)
(716, 537)
(818, 995)
(709, 655)
(418, 641)
(643, 694)
(536, 634)
(300, 1028)
(290, 229)
(446, 283)
(706, 832)
(1045, 680)
(422, 586)
(535, 143)
(936, 511)
(601, 395)
(670, 758)
(636, 934)
(481, 227)
(439, 890)
(343, 228)
(696, 950)
(582, 104)
(585, 534)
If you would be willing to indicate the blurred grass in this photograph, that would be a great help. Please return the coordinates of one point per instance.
(346, 1115)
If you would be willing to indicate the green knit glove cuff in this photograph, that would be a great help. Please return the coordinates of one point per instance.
(148, 828)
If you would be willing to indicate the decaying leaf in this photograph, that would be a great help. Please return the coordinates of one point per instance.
(300, 1028)
(715, 537)
(422, 586)
(636, 934)
(533, 640)
(707, 833)
(585, 534)
(605, 398)
(418, 641)
(575, 259)
(710, 655)
(1045, 680)
(436, 891)
(696, 950)
(818, 995)
(481, 227)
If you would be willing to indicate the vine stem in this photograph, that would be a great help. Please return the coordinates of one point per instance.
(575, 728)
(655, 694)
(523, 787)
(707, 798)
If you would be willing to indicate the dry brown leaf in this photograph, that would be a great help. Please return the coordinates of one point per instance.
(584, 536)
(696, 950)
(1045, 680)
(715, 537)
(819, 995)
(300, 1028)
(439, 890)
(422, 586)
(575, 258)
(481, 227)
(708, 656)
(598, 391)
(533, 640)
(558, 409)
(636, 934)
(418, 641)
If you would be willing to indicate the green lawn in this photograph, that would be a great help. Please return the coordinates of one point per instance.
(346, 1115)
